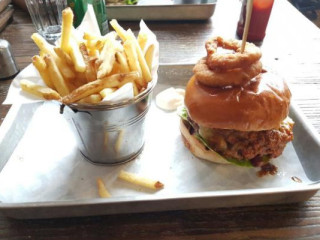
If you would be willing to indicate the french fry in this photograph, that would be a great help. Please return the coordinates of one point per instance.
(94, 53)
(102, 190)
(97, 64)
(63, 55)
(142, 40)
(95, 44)
(90, 72)
(115, 69)
(72, 85)
(120, 31)
(56, 76)
(119, 141)
(79, 80)
(107, 91)
(64, 69)
(94, 65)
(67, 20)
(108, 58)
(47, 48)
(133, 61)
(41, 66)
(141, 181)
(93, 87)
(42, 44)
(40, 91)
(142, 61)
(42, 53)
(149, 56)
(92, 99)
(76, 56)
(135, 88)
(122, 60)
(89, 36)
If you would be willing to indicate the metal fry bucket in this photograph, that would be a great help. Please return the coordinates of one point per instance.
(110, 134)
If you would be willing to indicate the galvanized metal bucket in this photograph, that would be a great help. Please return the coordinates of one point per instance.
(110, 134)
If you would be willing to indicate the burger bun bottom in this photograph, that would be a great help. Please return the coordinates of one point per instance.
(197, 148)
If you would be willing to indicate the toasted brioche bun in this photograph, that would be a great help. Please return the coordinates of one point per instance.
(262, 104)
(198, 149)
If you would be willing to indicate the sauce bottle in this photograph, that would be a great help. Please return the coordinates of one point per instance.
(261, 10)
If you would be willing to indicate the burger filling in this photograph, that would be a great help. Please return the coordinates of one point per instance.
(251, 148)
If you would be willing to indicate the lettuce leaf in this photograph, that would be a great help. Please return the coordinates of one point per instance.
(183, 113)
(241, 163)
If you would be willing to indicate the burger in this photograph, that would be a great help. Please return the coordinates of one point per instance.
(246, 124)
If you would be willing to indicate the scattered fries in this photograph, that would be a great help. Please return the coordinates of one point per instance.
(141, 181)
(102, 190)
(79, 69)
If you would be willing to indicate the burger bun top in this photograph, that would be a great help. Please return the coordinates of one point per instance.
(261, 104)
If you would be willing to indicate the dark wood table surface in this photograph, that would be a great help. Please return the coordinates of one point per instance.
(291, 47)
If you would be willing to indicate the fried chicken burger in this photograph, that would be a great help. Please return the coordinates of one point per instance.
(241, 120)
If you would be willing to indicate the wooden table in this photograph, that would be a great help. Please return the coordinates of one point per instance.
(291, 47)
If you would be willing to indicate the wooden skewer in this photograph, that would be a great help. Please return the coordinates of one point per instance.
(247, 24)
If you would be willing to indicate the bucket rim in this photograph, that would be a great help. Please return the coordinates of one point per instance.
(116, 105)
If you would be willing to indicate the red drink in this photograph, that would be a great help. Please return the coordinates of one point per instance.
(261, 10)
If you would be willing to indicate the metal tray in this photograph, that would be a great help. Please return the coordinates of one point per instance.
(43, 175)
(178, 10)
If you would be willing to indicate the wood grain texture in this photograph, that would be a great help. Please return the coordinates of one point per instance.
(291, 48)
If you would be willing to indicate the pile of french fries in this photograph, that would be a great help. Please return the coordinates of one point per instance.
(86, 69)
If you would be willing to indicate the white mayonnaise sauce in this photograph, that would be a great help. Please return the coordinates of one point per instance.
(170, 99)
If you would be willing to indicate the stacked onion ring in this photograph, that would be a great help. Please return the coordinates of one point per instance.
(228, 69)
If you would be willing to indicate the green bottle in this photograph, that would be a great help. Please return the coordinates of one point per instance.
(79, 8)
(99, 7)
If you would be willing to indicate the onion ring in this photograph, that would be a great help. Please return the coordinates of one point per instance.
(250, 55)
(228, 77)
